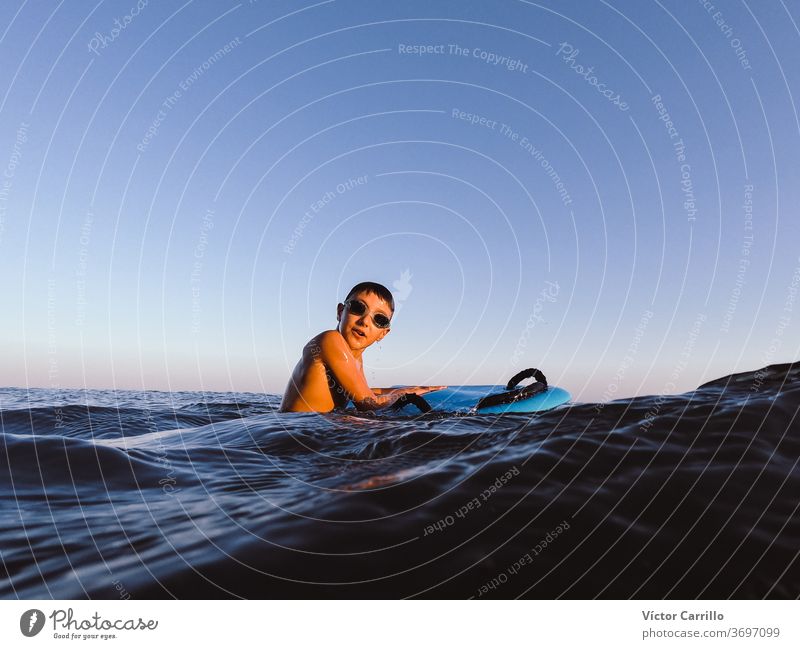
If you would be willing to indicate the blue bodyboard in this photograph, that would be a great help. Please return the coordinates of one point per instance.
(464, 398)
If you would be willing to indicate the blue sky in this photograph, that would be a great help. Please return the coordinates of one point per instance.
(189, 189)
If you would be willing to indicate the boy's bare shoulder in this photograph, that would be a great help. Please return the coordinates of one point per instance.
(327, 341)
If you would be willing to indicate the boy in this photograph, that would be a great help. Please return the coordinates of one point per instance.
(330, 372)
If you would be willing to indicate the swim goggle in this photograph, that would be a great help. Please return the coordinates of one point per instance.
(357, 307)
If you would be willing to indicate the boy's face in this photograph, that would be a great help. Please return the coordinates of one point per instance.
(359, 331)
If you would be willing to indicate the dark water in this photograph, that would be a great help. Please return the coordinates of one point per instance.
(191, 495)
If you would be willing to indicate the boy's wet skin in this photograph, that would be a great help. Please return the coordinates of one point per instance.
(331, 373)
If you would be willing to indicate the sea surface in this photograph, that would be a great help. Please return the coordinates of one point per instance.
(114, 494)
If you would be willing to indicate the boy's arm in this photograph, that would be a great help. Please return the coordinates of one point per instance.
(339, 360)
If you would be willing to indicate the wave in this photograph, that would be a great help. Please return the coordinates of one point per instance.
(218, 495)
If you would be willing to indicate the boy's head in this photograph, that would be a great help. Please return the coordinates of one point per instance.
(364, 316)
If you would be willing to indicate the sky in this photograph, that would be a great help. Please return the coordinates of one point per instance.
(606, 191)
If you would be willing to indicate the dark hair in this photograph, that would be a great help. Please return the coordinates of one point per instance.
(372, 287)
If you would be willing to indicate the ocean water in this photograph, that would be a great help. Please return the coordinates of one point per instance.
(207, 495)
